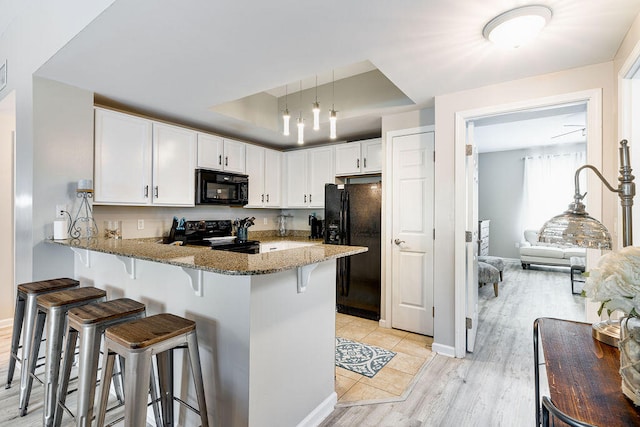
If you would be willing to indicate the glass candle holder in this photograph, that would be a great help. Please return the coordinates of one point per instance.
(113, 229)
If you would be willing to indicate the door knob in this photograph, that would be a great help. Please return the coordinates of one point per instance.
(399, 242)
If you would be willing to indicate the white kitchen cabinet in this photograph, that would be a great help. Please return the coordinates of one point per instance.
(174, 154)
(358, 158)
(264, 167)
(140, 162)
(219, 153)
(307, 173)
(371, 155)
(123, 158)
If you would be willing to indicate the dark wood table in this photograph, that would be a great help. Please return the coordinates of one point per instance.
(583, 376)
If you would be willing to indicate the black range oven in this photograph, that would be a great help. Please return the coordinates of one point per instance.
(221, 188)
(213, 233)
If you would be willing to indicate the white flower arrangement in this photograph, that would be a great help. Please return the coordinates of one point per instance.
(615, 281)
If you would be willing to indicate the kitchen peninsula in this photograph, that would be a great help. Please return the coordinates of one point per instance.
(266, 322)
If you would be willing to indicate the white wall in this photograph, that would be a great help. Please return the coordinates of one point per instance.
(38, 29)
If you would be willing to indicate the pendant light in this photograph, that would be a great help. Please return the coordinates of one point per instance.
(332, 113)
(316, 110)
(285, 115)
(300, 120)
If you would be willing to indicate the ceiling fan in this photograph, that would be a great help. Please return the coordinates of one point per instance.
(582, 128)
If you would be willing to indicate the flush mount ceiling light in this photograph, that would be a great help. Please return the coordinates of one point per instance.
(517, 26)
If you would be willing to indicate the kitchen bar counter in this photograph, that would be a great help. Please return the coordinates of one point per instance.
(223, 262)
(266, 322)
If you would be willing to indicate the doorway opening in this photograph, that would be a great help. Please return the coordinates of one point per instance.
(465, 289)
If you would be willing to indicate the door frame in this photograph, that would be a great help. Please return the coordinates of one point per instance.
(593, 100)
(386, 302)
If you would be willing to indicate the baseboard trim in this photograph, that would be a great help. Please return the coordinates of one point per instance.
(383, 323)
(321, 412)
(445, 350)
(6, 322)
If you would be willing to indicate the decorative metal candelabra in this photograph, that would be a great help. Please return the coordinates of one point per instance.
(83, 219)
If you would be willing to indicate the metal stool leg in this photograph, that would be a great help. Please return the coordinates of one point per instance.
(155, 398)
(18, 320)
(57, 319)
(165, 377)
(29, 343)
(105, 383)
(29, 363)
(196, 371)
(67, 362)
(87, 372)
(136, 389)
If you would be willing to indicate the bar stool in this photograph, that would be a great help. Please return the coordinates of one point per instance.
(89, 322)
(137, 341)
(25, 314)
(55, 305)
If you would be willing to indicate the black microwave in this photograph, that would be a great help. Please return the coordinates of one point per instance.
(221, 188)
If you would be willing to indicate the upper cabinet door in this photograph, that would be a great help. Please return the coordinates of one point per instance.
(297, 196)
(320, 172)
(234, 156)
(272, 179)
(371, 155)
(122, 158)
(210, 152)
(255, 167)
(174, 159)
(348, 159)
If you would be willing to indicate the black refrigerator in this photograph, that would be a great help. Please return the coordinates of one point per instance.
(353, 217)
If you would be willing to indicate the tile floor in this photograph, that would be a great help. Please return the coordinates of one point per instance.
(412, 352)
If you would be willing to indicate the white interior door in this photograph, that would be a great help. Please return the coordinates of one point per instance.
(412, 232)
(471, 252)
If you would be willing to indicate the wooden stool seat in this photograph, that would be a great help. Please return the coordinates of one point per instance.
(145, 332)
(70, 296)
(104, 312)
(47, 286)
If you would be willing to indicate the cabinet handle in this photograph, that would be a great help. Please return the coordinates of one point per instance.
(156, 191)
(305, 198)
(267, 198)
(365, 162)
(226, 160)
(357, 163)
(309, 198)
(146, 191)
(220, 159)
(263, 198)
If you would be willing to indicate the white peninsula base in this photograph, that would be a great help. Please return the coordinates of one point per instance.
(267, 350)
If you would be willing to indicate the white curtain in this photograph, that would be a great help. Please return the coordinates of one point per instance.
(549, 185)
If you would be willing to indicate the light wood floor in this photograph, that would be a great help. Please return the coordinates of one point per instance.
(493, 386)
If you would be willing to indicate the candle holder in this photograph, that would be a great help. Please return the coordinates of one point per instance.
(83, 224)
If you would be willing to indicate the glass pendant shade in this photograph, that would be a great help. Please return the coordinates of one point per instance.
(332, 124)
(316, 116)
(575, 227)
(300, 131)
(285, 118)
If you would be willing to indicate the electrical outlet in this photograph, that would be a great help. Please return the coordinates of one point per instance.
(60, 211)
(265, 221)
(141, 224)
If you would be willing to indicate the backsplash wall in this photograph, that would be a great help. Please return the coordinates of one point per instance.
(157, 220)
